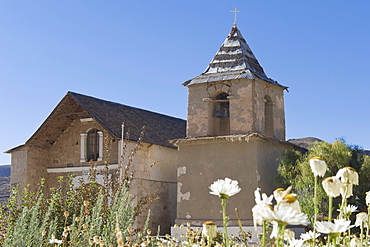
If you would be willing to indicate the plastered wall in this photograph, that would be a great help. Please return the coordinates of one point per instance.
(251, 162)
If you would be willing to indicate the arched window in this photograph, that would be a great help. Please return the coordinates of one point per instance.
(221, 114)
(269, 117)
(92, 145)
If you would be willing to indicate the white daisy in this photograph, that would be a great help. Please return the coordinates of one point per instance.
(338, 226)
(318, 166)
(332, 186)
(261, 201)
(348, 175)
(309, 235)
(355, 242)
(55, 241)
(291, 201)
(289, 216)
(367, 199)
(262, 198)
(224, 187)
(209, 229)
(362, 219)
(296, 243)
(349, 209)
(289, 235)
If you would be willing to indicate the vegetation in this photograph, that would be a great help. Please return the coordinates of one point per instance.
(294, 170)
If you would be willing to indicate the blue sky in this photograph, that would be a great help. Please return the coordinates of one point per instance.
(139, 52)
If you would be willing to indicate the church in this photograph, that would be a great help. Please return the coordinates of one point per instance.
(235, 128)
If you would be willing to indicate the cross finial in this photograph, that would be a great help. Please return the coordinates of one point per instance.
(235, 11)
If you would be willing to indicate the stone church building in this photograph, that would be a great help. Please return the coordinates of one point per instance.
(235, 128)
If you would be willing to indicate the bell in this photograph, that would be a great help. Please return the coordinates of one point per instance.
(226, 113)
(218, 112)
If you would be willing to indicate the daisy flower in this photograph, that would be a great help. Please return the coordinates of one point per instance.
(367, 199)
(349, 209)
(224, 187)
(361, 219)
(55, 241)
(338, 226)
(318, 166)
(348, 175)
(332, 186)
(309, 235)
(261, 202)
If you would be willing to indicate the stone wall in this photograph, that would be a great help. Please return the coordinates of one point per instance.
(246, 107)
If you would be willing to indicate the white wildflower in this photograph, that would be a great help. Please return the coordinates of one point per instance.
(349, 209)
(318, 166)
(224, 187)
(367, 199)
(309, 235)
(55, 241)
(291, 201)
(355, 242)
(362, 219)
(348, 175)
(338, 226)
(289, 235)
(209, 229)
(296, 243)
(290, 216)
(284, 214)
(261, 201)
(332, 186)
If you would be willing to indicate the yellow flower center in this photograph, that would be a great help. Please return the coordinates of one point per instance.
(290, 198)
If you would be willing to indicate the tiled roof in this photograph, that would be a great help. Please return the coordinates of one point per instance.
(233, 60)
(159, 128)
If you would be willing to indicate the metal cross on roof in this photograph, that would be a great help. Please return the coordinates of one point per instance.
(235, 11)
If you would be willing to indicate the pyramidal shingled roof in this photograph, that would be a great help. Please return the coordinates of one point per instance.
(233, 60)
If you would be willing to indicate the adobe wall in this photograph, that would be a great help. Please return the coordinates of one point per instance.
(18, 169)
(268, 156)
(251, 161)
(159, 179)
(202, 163)
(28, 166)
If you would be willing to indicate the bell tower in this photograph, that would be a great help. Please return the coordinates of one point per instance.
(235, 129)
(234, 95)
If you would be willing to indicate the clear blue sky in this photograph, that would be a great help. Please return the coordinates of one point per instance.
(139, 52)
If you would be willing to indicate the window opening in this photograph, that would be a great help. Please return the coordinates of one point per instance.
(93, 145)
(269, 117)
(221, 115)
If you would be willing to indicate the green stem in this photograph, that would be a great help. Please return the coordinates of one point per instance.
(264, 228)
(316, 208)
(280, 236)
(330, 208)
(315, 201)
(361, 234)
(224, 218)
(367, 228)
(344, 203)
